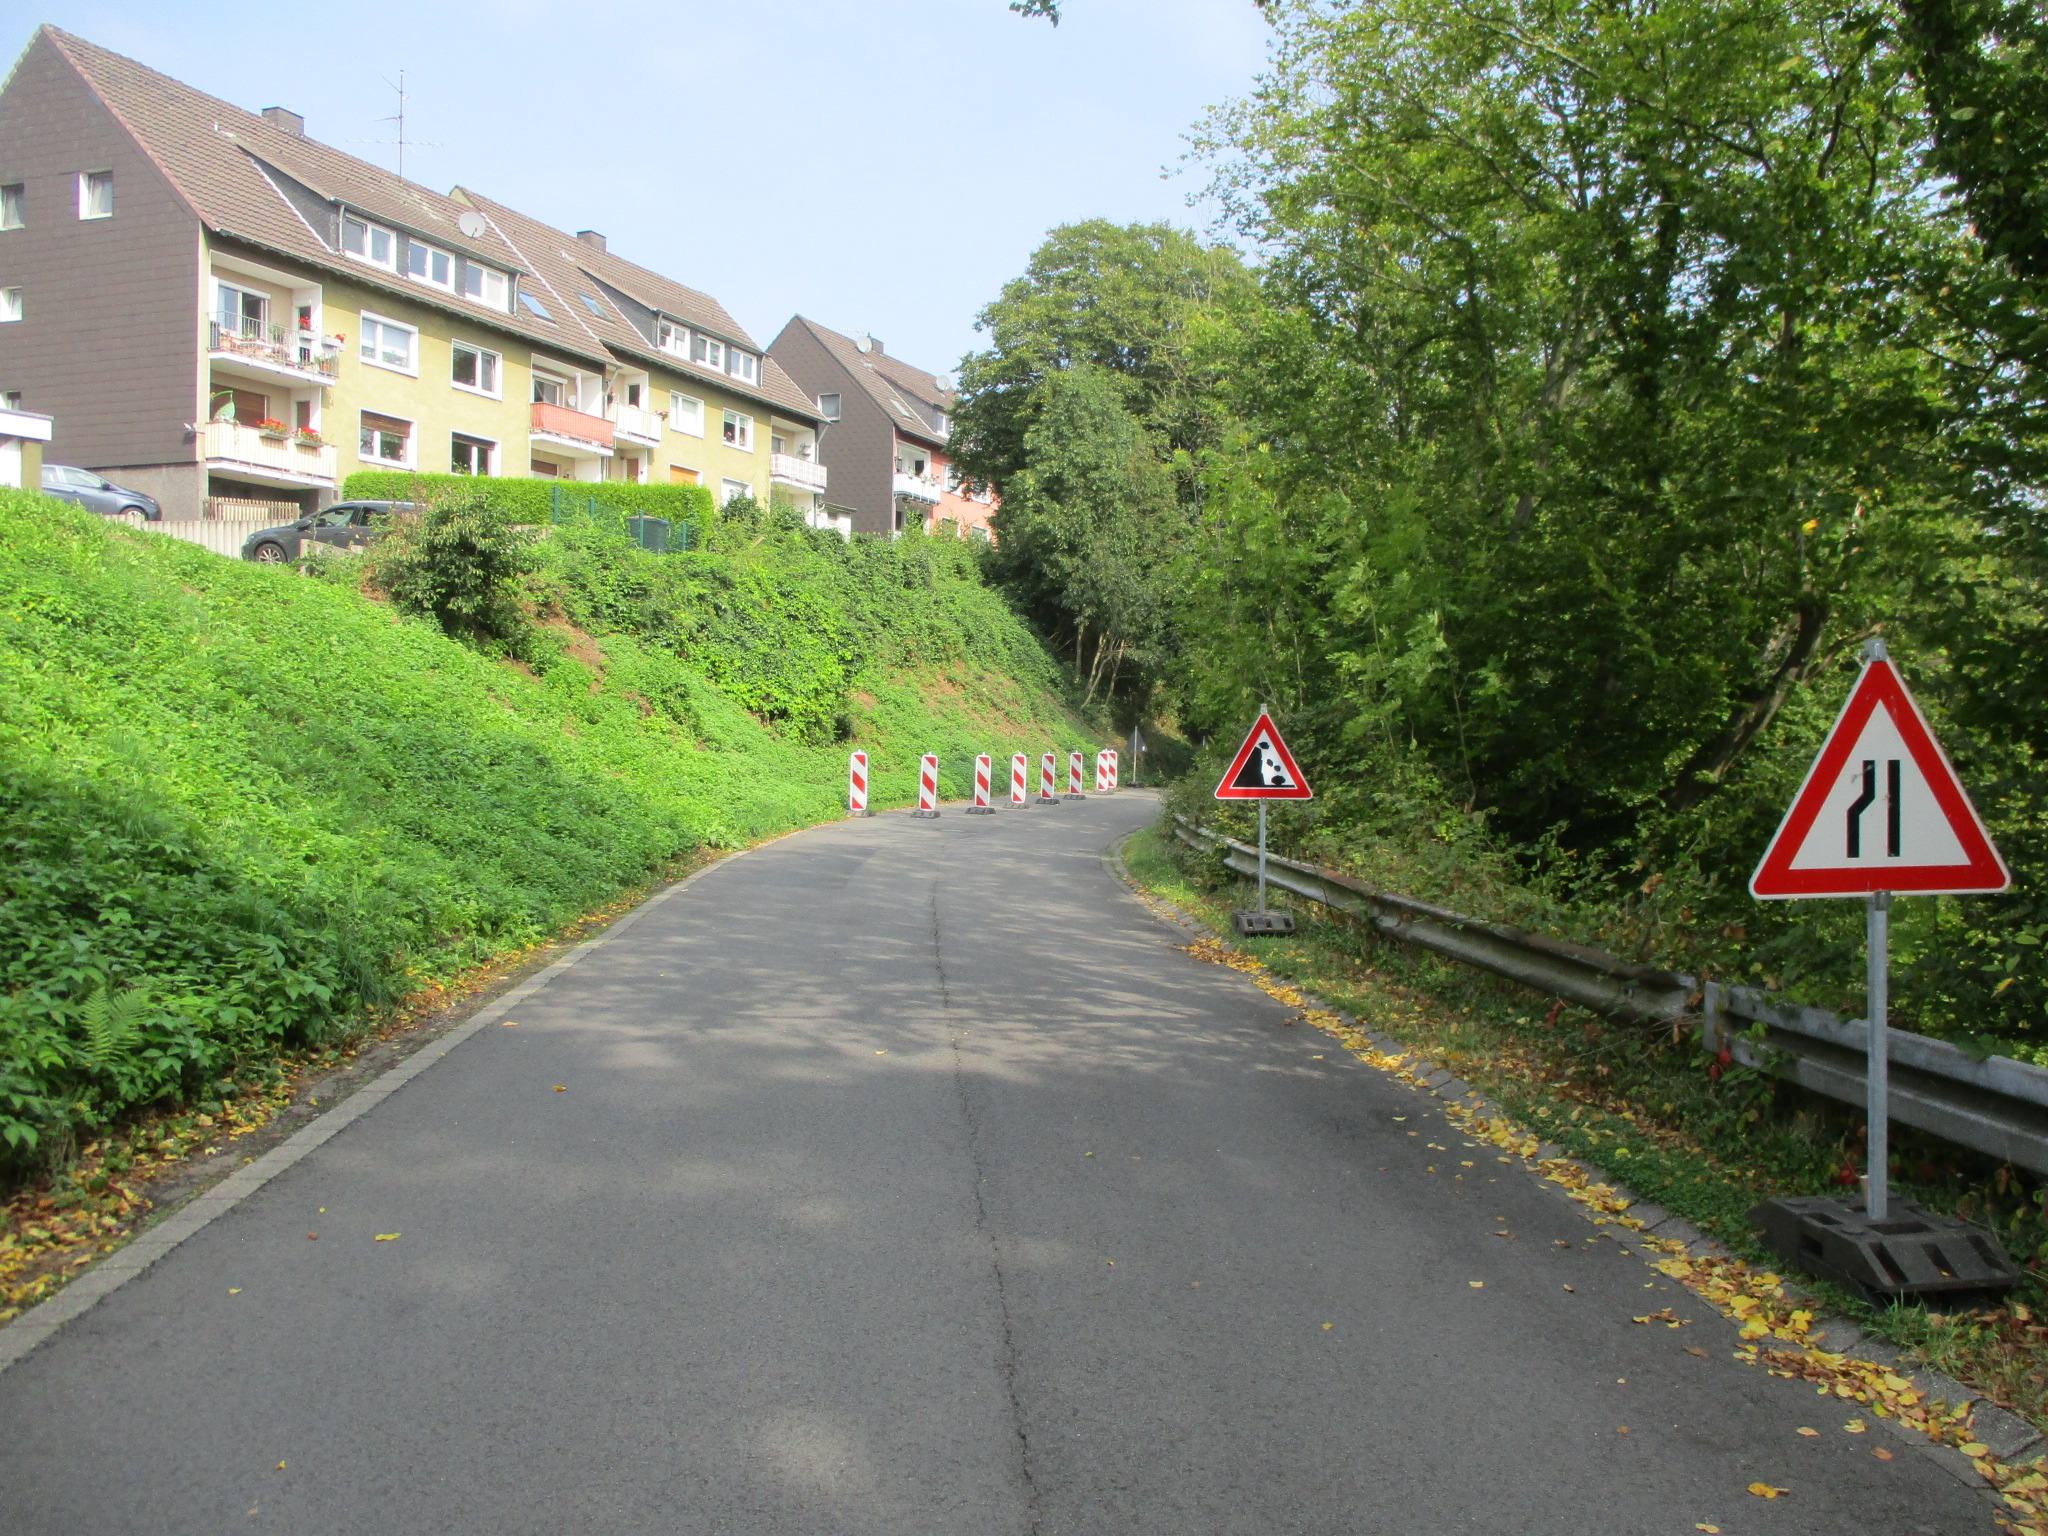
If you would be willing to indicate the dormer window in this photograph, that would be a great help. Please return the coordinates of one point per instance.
(486, 285)
(429, 264)
(708, 352)
(369, 242)
(742, 365)
(672, 338)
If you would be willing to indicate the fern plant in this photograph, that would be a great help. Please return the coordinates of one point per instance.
(112, 1021)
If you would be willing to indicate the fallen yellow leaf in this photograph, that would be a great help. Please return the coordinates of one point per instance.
(1766, 1491)
(280, 1466)
(1479, 1285)
(561, 1087)
(1811, 1434)
(1711, 1530)
(1974, 1448)
(234, 1290)
(1882, 1454)
(387, 1237)
(1855, 1427)
(1328, 1326)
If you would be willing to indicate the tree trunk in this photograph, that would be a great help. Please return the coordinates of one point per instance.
(1715, 757)
(1095, 671)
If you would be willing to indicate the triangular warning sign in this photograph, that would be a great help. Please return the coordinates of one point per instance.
(1263, 768)
(1881, 809)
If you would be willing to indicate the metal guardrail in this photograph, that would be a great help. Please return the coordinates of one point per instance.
(1996, 1106)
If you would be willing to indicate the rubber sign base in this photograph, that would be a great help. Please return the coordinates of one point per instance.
(1909, 1254)
(979, 810)
(1262, 925)
(924, 815)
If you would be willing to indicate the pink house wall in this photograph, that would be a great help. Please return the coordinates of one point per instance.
(965, 511)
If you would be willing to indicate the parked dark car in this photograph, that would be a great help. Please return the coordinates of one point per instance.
(345, 525)
(97, 494)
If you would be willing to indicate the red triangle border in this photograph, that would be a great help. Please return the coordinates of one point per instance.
(1301, 791)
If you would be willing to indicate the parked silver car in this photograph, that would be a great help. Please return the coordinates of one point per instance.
(345, 525)
(95, 493)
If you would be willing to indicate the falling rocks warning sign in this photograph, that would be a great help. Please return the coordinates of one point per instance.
(1881, 810)
(1263, 769)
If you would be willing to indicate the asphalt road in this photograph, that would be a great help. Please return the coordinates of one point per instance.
(910, 1178)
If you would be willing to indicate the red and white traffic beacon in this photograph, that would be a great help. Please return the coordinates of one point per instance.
(1263, 770)
(1881, 814)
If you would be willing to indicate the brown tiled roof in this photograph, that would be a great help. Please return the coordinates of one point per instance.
(908, 395)
(567, 265)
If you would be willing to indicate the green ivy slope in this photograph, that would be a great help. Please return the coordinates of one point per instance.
(239, 807)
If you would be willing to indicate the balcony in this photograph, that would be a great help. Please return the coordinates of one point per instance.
(249, 453)
(788, 469)
(917, 487)
(577, 433)
(256, 350)
(639, 425)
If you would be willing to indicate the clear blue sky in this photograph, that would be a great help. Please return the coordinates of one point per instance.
(880, 165)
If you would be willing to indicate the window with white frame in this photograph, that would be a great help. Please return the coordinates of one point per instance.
(430, 264)
(388, 344)
(472, 455)
(708, 352)
(10, 304)
(742, 365)
(486, 285)
(476, 368)
(11, 205)
(553, 388)
(828, 406)
(384, 440)
(739, 431)
(685, 414)
(241, 311)
(733, 490)
(672, 338)
(95, 194)
(371, 242)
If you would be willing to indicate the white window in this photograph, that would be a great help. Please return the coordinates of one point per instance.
(95, 194)
(387, 344)
(673, 338)
(486, 285)
(708, 352)
(10, 304)
(685, 414)
(829, 406)
(739, 431)
(10, 206)
(742, 365)
(428, 264)
(941, 415)
(733, 490)
(472, 455)
(553, 389)
(243, 312)
(384, 440)
(372, 242)
(476, 368)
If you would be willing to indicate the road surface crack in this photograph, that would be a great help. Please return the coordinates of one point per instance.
(1007, 1359)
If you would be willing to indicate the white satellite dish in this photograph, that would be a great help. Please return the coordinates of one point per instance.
(864, 342)
(471, 224)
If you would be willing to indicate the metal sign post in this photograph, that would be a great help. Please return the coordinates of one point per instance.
(1877, 1073)
(1262, 857)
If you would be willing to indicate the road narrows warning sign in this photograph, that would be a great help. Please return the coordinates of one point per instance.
(1263, 769)
(1880, 810)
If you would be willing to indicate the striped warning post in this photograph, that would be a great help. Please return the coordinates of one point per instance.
(982, 770)
(857, 785)
(1046, 781)
(927, 786)
(1020, 782)
(1073, 777)
(1102, 772)
(1110, 753)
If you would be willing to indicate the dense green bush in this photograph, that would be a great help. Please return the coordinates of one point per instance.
(239, 806)
(530, 499)
(457, 560)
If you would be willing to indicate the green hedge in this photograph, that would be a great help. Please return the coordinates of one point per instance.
(532, 499)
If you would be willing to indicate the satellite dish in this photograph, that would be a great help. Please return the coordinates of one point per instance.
(471, 224)
(864, 342)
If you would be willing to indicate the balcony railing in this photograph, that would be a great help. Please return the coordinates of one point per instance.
(640, 425)
(791, 470)
(917, 487)
(239, 443)
(299, 351)
(561, 421)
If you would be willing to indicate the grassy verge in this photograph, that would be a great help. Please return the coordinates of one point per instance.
(1704, 1141)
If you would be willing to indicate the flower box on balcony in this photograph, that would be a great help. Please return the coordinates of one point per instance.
(308, 439)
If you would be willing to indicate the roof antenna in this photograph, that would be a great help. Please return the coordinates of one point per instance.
(400, 120)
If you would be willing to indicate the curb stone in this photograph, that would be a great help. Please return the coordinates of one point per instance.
(1987, 1419)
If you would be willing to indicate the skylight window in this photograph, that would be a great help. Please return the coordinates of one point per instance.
(592, 305)
(535, 307)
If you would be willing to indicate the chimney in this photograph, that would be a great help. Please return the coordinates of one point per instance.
(591, 238)
(285, 118)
